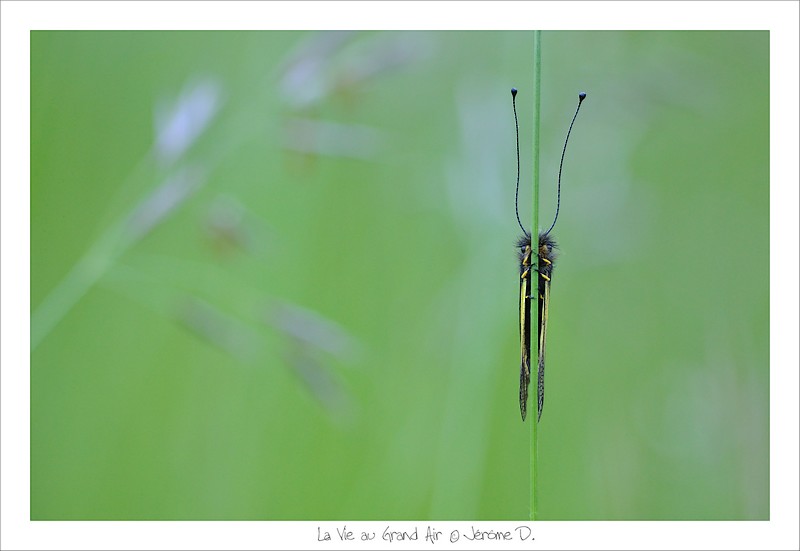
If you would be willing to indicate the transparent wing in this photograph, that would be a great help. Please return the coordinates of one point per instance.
(525, 342)
(544, 306)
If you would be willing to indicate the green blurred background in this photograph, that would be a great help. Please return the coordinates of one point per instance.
(273, 275)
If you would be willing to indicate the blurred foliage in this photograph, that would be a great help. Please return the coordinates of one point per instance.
(273, 275)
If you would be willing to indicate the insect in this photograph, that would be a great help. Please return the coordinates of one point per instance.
(544, 267)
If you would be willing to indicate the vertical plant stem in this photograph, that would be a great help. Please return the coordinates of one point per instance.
(537, 74)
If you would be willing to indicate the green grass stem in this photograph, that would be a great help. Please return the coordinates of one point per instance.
(537, 73)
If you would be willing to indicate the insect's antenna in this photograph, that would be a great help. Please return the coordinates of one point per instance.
(516, 125)
(581, 97)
